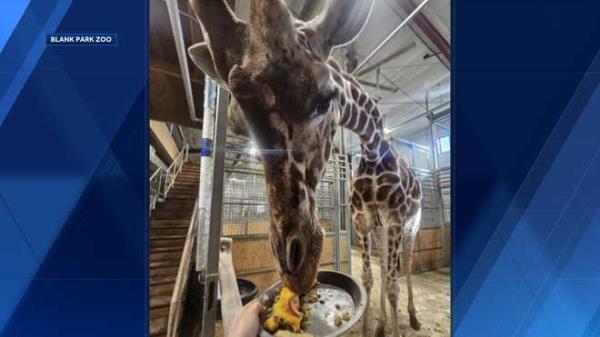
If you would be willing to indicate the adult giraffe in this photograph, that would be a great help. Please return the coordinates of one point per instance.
(292, 98)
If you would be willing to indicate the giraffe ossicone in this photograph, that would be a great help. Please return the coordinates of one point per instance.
(292, 98)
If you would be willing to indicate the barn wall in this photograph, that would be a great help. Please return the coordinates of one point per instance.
(428, 252)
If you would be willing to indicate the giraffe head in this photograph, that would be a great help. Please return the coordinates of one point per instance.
(276, 69)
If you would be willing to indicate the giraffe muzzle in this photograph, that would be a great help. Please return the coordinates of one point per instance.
(300, 274)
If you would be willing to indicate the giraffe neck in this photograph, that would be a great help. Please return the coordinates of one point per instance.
(359, 113)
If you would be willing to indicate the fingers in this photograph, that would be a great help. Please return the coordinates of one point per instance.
(254, 306)
(246, 322)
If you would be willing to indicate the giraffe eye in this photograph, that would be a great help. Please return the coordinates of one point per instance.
(321, 107)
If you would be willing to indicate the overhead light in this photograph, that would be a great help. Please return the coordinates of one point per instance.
(253, 151)
(386, 131)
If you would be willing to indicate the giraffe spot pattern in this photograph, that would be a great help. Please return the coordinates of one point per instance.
(388, 178)
(383, 192)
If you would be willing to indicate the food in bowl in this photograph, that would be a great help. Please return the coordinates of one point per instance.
(290, 314)
(286, 313)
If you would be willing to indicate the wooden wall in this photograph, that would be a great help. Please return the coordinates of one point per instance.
(253, 259)
(428, 253)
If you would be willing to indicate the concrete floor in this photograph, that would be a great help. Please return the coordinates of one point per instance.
(432, 300)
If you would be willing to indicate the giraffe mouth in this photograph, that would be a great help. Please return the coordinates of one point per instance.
(300, 284)
(300, 272)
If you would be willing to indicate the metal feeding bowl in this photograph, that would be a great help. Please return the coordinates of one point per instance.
(339, 293)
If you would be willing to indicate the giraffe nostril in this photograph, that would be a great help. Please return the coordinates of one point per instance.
(295, 254)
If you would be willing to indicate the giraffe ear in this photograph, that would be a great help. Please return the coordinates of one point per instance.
(200, 55)
(340, 23)
(223, 32)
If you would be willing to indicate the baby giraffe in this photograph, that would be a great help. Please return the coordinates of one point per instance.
(291, 98)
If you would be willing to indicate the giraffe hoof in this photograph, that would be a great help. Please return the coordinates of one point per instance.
(414, 323)
(380, 332)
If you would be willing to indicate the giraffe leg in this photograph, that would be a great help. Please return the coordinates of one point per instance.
(408, 244)
(380, 332)
(367, 277)
(393, 275)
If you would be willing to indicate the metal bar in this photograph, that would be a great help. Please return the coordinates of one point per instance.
(212, 267)
(206, 170)
(434, 160)
(424, 114)
(442, 126)
(433, 151)
(337, 218)
(164, 178)
(190, 17)
(181, 133)
(422, 26)
(349, 224)
(377, 81)
(389, 37)
(412, 155)
(388, 58)
(403, 141)
(374, 85)
(173, 9)
(398, 88)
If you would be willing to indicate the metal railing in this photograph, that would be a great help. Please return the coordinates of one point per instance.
(163, 179)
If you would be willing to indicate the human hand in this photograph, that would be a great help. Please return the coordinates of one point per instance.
(246, 322)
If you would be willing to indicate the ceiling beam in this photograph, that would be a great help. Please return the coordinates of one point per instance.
(427, 32)
(173, 9)
(389, 37)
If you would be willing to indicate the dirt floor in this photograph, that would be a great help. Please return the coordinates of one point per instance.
(431, 296)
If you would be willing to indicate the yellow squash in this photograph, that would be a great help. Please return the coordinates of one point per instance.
(286, 312)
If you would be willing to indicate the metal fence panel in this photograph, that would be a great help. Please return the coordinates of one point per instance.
(245, 201)
(446, 189)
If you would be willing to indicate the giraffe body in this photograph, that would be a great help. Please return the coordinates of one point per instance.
(291, 98)
(385, 201)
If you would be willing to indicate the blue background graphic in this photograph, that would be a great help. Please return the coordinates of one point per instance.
(73, 171)
(526, 168)
(12, 11)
